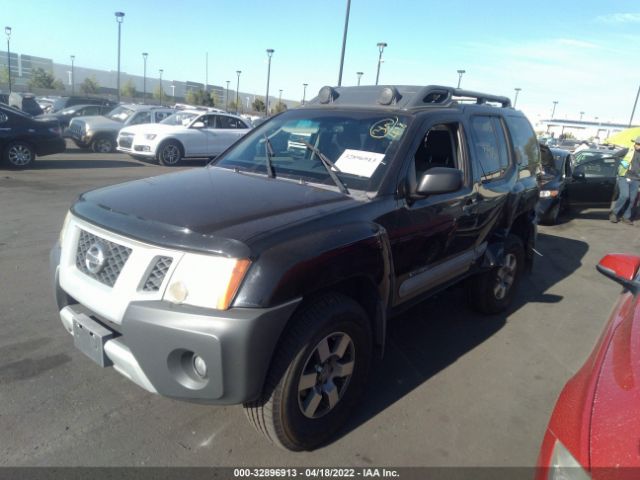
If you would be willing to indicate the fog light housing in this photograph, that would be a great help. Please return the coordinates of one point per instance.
(199, 366)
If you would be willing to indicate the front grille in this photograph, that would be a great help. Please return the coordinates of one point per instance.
(125, 141)
(76, 130)
(157, 274)
(114, 259)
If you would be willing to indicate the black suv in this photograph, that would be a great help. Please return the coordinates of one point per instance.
(268, 277)
(65, 102)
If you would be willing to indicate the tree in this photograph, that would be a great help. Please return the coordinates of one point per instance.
(129, 89)
(4, 75)
(232, 106)
(90, 85)
(156, 93)
(43, 79)
(280, 107)
(258, 105)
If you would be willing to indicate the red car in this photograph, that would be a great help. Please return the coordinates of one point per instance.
(594, 431)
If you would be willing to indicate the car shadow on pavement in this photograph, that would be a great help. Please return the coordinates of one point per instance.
(434, 334)
(78, 164)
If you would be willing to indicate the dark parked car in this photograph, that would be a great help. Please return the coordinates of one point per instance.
(592, 433)
(25, 102)
(65, 115)
(22, 137)
(584, 180)
(268, 277)
(64, 102)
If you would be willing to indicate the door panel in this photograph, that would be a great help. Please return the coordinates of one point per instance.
(593, 182)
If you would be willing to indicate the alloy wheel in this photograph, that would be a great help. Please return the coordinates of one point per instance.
(19, 155)
(506, 276)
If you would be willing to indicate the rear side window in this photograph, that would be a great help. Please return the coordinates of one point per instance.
(229, 122)
(162, 115)
(525, 143)
(490, 151)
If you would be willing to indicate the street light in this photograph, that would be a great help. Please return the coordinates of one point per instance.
(515, 101)
(161, 89)
(381, 46)
(119, 19)
(581, 114)
(266, 103)
(555, 102)
(359, 76)
(344, 41)
(304, 92)
(227, 100)
(144, 78)
(460, 73)
(280, 99)
(7, 30)
(238, 72)
(73, 76)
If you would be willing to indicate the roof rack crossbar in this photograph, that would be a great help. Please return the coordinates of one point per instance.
(445, 96)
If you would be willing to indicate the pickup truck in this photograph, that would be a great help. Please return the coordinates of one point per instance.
(268, 277)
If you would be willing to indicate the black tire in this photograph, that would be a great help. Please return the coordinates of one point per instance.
(170, 153)
(491, 292)
(19, 155)
(289, 412)
(103, 144)
(551, 218)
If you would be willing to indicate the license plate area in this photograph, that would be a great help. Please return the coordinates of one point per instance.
(89, 337)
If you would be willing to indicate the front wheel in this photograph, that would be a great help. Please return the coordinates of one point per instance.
(317, 375)
(492, 291)
(170, 154)
(19, 155)
(103, 145)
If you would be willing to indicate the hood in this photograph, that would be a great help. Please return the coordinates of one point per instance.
(98, 122)
(151, 128)
(206, 209)
(615, 419)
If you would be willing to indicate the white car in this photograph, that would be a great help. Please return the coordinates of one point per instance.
(185, 134)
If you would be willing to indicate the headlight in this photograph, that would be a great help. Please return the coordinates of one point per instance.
(548, 193)
(564, 467)
(150, 136)
(206, 281)
(65, 224)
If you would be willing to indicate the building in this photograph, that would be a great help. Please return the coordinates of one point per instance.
(580, 129)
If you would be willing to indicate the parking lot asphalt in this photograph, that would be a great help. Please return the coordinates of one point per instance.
(454, 389)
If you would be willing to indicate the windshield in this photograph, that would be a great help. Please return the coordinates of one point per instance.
(68, 110)
(360, 145)
(581, 157)
(180, 118)
(120, 114)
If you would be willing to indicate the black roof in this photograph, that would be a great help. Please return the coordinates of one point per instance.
(403, 97)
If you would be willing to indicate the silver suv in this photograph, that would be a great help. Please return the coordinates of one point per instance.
(99, 132)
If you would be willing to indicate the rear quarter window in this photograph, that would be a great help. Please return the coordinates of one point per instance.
(525, 143)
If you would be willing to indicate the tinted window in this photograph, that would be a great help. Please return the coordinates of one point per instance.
(161, 116)
(229, 122)
(602, 167)
(525, 144)
(489, 146)
(91, 110)
(141, 117)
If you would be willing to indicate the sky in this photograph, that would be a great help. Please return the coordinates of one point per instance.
(583, 54)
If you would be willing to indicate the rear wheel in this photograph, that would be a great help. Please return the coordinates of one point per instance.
(19, 155)
(170, 153)
(492, 291)
(317, 374)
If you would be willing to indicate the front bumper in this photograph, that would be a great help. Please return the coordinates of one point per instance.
(544, 206)
(156, 339)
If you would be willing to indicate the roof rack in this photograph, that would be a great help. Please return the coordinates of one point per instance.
(439, 95)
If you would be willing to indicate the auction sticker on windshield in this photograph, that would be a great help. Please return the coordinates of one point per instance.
(359, 162)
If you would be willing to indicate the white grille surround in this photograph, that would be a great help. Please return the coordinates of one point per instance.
(111, 302)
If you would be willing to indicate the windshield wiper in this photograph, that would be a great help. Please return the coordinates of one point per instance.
(269, 153)
(329, 165)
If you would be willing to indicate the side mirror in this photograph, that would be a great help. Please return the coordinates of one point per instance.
(439, 180)
(198, 125)
(578, 175)
(621, 268)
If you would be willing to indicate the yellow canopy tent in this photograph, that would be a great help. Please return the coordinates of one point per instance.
(624, 138)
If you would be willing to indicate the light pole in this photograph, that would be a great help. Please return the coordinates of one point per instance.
(344, 41)
(634, 107)
(515, 101)
(7, 30)
(119, 19)
(304, 92)
(359, 74)
(227, 100)
(144, 77)
(581, 114)
(280, 98)
(238, 72)
(381, 46)
(553, 112)
(73, 76)
(460, 73)
(266, 102)
(161, 89)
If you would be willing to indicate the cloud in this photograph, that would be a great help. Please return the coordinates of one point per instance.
(619, 18)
